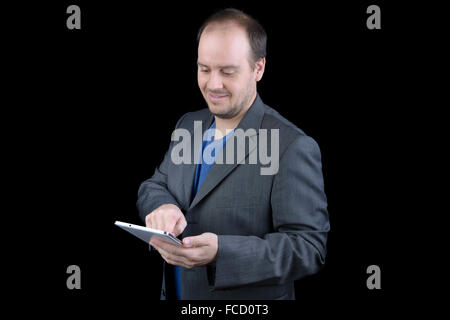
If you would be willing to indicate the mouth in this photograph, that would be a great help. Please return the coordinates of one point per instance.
(216, 97)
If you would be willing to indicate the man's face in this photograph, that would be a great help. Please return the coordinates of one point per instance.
(224, 75)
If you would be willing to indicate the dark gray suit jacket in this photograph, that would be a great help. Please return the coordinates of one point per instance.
(272, 229)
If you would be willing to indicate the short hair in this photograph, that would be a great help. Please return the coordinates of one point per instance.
(257, 36)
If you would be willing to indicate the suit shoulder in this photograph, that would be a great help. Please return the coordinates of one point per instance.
(289, 133)
(274, 120)
(187, 119)
(192, 116)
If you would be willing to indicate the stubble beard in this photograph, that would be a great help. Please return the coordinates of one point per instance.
(233, 110)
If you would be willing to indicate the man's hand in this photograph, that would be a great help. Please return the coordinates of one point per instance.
(167, 217)
(196, 251)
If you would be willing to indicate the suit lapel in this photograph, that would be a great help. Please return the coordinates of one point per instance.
(251, 120)
(189, 169)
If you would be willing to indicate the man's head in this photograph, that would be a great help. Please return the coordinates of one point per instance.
(231, 59)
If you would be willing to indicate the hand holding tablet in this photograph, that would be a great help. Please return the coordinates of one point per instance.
(146, 234)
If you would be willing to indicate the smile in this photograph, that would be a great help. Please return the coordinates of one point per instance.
(216, 98)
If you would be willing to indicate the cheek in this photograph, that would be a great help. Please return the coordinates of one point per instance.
(235, 86)
(201, 82)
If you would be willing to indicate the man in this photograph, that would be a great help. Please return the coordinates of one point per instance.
(246, 235)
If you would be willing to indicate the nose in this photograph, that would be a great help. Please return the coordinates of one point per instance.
(214, 82)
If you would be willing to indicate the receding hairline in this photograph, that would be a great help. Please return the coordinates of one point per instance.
(217, 26)
(232, 18)
(223, 25)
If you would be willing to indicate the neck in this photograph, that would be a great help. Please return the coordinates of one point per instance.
(223, 126)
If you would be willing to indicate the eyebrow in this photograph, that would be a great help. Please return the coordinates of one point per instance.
(221, 67)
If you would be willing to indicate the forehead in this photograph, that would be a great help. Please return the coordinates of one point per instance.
(223, 44)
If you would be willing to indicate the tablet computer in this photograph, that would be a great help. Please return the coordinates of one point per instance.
(146, 234)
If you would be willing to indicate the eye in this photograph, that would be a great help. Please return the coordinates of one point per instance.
(228, 73)
(204, 70)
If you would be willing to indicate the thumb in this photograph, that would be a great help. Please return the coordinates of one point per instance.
(196, 241)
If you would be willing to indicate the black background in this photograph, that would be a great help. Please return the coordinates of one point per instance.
(96, 107)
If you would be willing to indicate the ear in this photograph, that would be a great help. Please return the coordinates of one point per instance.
(260, 66)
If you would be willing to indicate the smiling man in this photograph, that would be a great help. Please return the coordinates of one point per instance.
(245, 235)
(227, 71)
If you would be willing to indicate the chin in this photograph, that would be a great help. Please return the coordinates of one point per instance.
(217, 109)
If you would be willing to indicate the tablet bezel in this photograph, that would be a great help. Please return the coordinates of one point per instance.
(137, 230)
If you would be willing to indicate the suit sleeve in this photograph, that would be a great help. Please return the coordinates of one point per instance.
(297, 247)
(153, 192)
